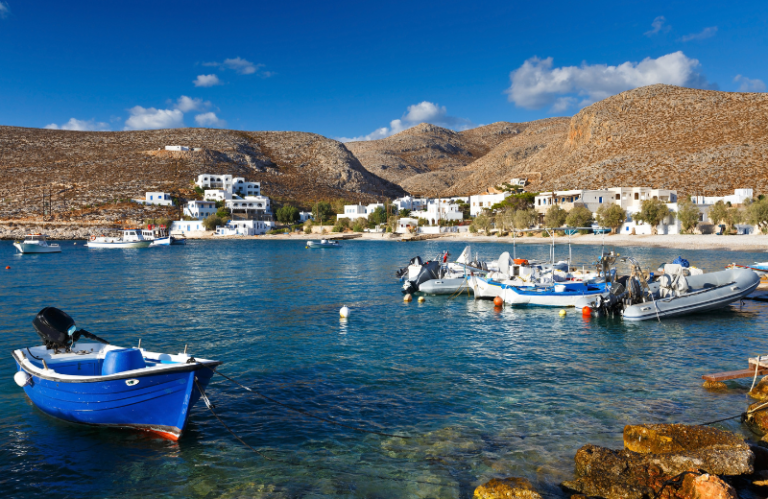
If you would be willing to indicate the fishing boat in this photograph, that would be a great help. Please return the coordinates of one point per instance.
(36, 243)
(565, 294)
(100, 384)
(323, 243)
(160, 237)
(131, 238)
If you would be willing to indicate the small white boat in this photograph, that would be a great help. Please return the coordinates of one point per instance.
(131, 238)
(759, 268)
(323, 243)
(36, 243)
(160, 237)
(554, 295)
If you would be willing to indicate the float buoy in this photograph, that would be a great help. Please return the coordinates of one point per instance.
(422, 299)
(498, 301)
(7, 267)
(407, 297)
(344, 312)
(586, 312)
(562, 313)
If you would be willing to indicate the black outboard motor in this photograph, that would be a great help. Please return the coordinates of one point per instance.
(429, 271)
(58, 330)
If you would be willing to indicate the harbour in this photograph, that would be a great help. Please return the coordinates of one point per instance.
(480, 392)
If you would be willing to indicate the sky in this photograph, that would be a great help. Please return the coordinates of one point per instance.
(358, 70)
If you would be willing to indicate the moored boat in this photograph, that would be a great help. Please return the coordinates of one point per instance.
(36, 243)
(759, 268)
(323, 243)
(130, 238)
(100, 384)
(566, 294)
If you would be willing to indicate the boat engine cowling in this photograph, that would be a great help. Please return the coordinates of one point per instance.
(58, 330)
(418, 274)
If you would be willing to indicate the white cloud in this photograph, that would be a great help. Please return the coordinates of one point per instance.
(703, 34)
(4, 10)
(536, 84)
(659, 26)
(206, 80)
(242, 66)
(423, 112)
(209, 119)
(80, 126)
(150, 118)
(186, 104)
(750, 84)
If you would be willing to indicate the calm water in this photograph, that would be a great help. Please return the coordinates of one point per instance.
(465, 381)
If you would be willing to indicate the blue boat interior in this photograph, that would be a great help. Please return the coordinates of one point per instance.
(115, 361)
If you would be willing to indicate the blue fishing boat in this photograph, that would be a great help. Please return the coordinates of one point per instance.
(100, 384)
(554, 295)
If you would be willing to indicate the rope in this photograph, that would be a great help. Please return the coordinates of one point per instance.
(675, 481)
(305, 413)
(757, 367)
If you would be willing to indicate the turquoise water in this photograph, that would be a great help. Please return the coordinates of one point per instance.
(483, 393)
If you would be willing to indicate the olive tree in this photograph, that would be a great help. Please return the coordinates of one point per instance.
(653, 212)
(688, 214)
(757, 214)
(524, 219)
(612, 216)
(212, 221)
(555, 216)
(579, 216)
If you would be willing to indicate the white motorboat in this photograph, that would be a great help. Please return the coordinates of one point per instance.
(36, 243)
(131, 238)
(554, 295)
(323, 243)
(160, 237)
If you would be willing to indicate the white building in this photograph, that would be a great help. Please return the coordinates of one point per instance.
(353, 212)
(439, 211)
(245, 228)
(250, 205)
(518, 182)
(738, 197)
(240, 186)
(200, 209)
(304, 216)
(410, 203)
(407, 224)
(177, 148)
(156, 198)
(187, 226)
(217, 195)
(482, 202)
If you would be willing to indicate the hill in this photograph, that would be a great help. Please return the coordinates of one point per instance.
(83, 168)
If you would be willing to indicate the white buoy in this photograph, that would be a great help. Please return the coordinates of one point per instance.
(22, 378)
(422, 299)
(407, 297)
(344, 312)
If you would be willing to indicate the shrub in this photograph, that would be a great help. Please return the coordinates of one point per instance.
(211, 222)
(287, 214)
(472, 229)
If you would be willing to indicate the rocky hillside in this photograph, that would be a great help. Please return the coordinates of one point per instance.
(427, 159)
(82, 168)
(695, 141)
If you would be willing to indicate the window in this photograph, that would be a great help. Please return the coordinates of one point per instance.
(600, 199)
(618, 197)
(637, 196)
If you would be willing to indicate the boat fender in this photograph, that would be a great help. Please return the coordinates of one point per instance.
(22, 378)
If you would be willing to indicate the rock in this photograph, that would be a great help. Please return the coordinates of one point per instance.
(506, 488)
(626, 474)
(756, 421)
(663, 438)
(761, 457)
(715, 385)
(706, 487)
(760, 390)
(760, 479)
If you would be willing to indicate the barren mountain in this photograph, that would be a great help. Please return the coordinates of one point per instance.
(425, 149)
(695, 141)
(80, 168)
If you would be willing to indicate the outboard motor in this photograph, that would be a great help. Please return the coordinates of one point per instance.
(58, 330)
(418, 274)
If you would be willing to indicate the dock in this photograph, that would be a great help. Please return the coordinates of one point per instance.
(759, 363)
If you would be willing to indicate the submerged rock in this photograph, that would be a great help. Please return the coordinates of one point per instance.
(760, 390)
(756, 421)
(715, 385)
(667, 438)
(506, 488)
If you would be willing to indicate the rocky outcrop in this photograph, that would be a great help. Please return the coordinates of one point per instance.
(506, 488)
(667, 455)
(760, 390)
(756, 418)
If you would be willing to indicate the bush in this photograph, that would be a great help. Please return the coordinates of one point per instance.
(211, 222)
(223, 213)
(472, 229)
(359, 225)
(378, 216)
(287, 214)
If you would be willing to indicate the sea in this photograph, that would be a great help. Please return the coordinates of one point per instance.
(451, 392)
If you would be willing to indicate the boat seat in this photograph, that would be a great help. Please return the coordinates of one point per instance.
(124, 359)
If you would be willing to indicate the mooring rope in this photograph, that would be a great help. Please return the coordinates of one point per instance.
(303, 412)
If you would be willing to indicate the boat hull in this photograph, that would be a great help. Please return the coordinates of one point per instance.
(547, 297)
(444, 286)
(36, 248)
(313, 245)
(159, 403)
(119, 245)
(716, 290)
(161, 241)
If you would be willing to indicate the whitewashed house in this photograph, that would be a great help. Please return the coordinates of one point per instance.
(209, 181)
(156, 199)
(436, 212)
(250, 205)
(738, 197)
(200, 209)
(407, 224)
(410, 203)
(481, 202)
(245, 228)
(217, 195)
(177, 148)
(186, 227)
(240, 186)
(353, 212)
(304, 216)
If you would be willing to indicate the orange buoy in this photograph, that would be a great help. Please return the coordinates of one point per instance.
(7, 267)
(498, 301)
(586, 312)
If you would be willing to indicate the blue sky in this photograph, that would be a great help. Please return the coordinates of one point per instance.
(357, 69)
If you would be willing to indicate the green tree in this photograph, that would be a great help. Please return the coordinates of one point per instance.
(757, 214)
(378, 216)
(525, 219)
(464, 208)
(483, 222)
(521, 201)
(555, 216)
(288, 214)
(404, 212)
(611, 215)
(579, 216)
(718, 212)
(323, 212)
(223, 213)
(653, 212)
(688, 214)
(212, 221)
(733, 216)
